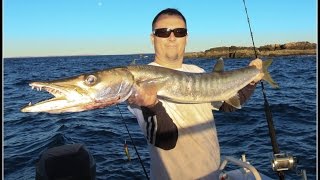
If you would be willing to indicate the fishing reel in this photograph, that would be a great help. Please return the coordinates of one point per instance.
(283, 162)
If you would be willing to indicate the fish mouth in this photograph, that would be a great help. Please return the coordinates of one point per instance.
(69, 98)
(55, 91)
(61, 99)
(58, 93)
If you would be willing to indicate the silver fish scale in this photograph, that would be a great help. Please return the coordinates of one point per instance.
(186, 87)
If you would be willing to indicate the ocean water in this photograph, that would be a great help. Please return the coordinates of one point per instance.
(27, 135)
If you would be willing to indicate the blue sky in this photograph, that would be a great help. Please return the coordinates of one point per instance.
(101, 27)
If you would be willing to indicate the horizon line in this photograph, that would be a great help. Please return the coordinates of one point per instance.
(41, 56)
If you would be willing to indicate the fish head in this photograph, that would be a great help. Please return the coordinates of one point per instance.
(84, 92)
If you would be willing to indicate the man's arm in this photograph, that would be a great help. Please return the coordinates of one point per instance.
(160, 130)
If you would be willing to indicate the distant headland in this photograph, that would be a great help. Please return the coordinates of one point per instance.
(292, 48)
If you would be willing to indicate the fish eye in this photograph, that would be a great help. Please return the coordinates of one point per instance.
(91, 79)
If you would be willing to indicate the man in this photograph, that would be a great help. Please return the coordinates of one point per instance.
(182, 138)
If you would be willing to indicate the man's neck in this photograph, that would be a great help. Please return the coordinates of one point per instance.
(169, 64)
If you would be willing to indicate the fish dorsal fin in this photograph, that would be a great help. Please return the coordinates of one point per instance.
(219, 66)
(234, 101)
(133, 62)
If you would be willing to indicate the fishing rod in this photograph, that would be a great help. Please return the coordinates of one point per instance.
(281, 161)
(135, 148)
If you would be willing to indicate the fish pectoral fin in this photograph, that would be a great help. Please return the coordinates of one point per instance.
(155, 83)
(234, 101)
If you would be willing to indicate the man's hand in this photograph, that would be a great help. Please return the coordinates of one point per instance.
(258, 64)
(146, 97)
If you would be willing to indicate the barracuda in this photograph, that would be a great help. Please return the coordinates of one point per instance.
(111, 86)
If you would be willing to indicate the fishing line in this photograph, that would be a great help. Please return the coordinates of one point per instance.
(135, 148)
(268, 113)
(254, 47)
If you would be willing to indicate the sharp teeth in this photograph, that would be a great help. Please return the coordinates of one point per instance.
(30, 104)
(50, 90)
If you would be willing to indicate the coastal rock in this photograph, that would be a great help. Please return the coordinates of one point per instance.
(270, 47)
(299, 45)
(292, 48)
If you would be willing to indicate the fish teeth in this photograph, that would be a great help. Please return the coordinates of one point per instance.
(30, 104)
(53, 91)
(50, 90)
(38, 88)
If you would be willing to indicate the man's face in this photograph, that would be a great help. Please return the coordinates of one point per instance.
(171, 48)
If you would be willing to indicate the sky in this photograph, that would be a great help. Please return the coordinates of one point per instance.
(103, 27)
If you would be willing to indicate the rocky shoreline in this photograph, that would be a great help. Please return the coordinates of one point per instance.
(271, 50)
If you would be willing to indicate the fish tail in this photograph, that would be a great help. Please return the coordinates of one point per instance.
(267, 76)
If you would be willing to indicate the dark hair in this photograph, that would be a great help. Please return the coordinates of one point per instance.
(168, 11)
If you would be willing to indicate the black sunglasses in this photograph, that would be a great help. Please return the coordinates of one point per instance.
(165, 32)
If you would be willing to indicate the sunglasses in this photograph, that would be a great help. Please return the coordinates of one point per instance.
(165, 32)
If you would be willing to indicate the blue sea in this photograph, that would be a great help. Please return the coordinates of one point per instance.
(27, 135)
